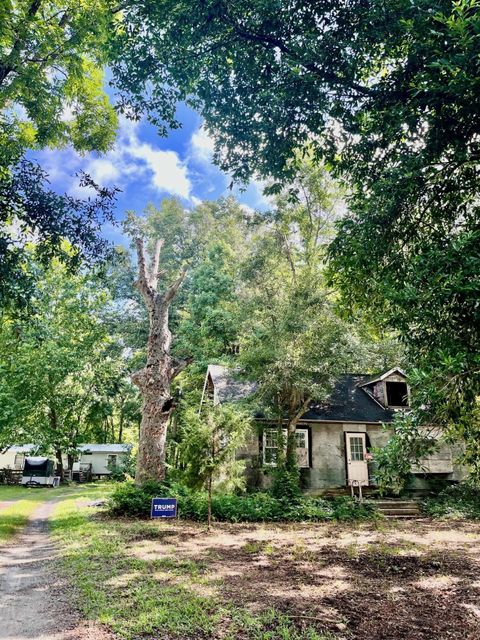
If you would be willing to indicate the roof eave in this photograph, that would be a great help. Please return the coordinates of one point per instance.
(383, 376)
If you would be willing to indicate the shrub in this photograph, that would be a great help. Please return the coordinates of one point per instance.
(286, 484)
(125, 469)
(344, 508)
(455, 502)
(129, 500)
(132, 501)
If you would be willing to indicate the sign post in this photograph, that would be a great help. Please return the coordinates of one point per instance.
(164, 508)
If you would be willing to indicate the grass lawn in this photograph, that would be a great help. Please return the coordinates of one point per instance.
(14, 517)
(173, 580)
(18, 503)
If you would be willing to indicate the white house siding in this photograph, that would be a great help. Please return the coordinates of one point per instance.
(98, 460)
(7, 459)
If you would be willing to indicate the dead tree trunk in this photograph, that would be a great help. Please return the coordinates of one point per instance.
(155, 379)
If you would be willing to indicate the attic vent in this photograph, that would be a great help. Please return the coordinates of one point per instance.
(397, 394)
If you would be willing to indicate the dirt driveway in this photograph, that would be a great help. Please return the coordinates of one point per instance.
(33, 602)
(410, 580)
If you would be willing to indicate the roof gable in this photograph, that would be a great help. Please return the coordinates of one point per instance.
(227, 386)
(385, 375)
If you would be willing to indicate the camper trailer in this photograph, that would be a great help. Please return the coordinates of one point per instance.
(39, 472)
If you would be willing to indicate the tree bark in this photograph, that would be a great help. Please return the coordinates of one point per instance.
(61, 471)
(291, 453)
(155, 379)
(58, 451)
(120, 423)
(209, 519)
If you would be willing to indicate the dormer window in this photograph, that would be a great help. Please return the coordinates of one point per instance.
(397, 394)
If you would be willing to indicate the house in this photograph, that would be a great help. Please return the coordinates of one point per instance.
(102, 457)
(99, 458)
(333, 439)
(13, 457)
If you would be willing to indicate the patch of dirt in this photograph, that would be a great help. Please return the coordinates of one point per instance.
(409, 581)
(34, 603)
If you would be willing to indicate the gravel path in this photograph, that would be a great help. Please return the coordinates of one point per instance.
(33, 602)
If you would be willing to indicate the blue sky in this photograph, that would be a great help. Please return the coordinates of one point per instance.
(147, 168)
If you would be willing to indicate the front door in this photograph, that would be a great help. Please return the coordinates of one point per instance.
(357, 468)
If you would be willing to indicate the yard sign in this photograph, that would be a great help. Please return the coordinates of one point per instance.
(164, 508)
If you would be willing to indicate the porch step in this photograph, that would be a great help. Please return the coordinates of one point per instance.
(401, 509)
(338, 492)
(396, 505)
(399, 512)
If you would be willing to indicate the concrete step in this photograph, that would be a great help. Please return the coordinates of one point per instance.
(416, 517)
(401, 509)
(399, 512)
(395, 504)
(376, 501)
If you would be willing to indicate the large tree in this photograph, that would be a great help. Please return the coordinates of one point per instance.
(293, 341)
(155, 378)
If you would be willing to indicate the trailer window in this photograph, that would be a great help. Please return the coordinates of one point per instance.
(111, 461)
(19, 459)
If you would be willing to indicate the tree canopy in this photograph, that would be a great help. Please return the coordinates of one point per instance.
(52, 56)
(64, 376)
(385, 94)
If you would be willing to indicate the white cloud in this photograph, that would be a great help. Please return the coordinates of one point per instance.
(247, 208)
(262, 200)
(169, 173)
(103, 170)
(130, 159)
(202, 145)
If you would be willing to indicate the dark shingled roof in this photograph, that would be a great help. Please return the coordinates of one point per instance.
(349, 402)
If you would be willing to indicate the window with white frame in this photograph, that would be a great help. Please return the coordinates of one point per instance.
(270, 446)
(19, 460)
(112, 461)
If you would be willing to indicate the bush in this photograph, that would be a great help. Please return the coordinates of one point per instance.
(124, 470)
(345, 508)
(455, 502)
(286, 484)
(132, 501)
(129, 500)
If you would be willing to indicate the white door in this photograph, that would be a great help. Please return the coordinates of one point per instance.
(301, 436)
(357, 468)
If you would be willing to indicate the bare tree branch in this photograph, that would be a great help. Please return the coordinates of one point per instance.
(154, 272)
(143, 280)
(172, 289)
(179, 366)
